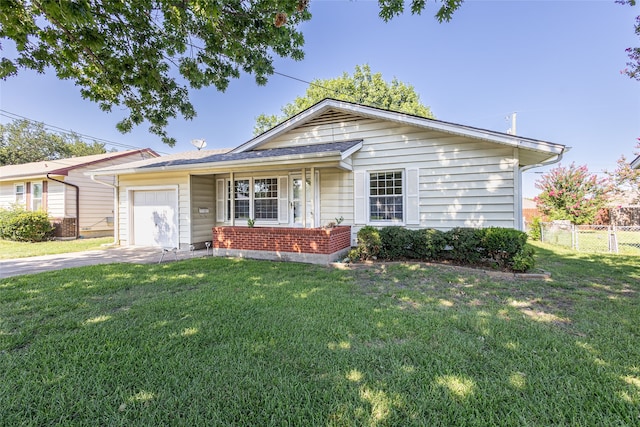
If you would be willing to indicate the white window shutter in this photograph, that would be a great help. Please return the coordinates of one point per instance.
(413, 197)
(283, 200)
(220, 197)
(359, 197)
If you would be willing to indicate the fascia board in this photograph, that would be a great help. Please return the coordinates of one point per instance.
(486, 135)
(333, 156)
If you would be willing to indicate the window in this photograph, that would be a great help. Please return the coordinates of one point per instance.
(19, 192)
(385, 196)
(258, 196)
(36, 196)
(265, 193)
(241, 199)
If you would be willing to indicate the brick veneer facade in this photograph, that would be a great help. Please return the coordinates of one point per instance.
(283, 239)
(64, 227)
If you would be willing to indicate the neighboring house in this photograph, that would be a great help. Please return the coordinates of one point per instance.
(77, 205)
(335, 160)
(635, 164)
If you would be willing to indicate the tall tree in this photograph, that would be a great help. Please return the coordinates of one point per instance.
(362, 88)
(22, 141)
(571, 193)
(626, 181)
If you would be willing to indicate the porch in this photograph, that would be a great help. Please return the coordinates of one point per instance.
(309, 245)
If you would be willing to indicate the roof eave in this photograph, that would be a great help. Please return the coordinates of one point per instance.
(325, 157)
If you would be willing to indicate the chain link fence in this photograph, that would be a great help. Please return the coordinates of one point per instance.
(592, 238)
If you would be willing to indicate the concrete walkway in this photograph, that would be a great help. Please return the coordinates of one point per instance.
(133, 255)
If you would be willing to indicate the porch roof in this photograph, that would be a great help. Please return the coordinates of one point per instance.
(336, 152)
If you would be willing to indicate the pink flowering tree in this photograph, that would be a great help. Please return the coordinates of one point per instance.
(626, 181)
(572, 193)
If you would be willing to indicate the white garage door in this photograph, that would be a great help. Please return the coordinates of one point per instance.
(155, 221)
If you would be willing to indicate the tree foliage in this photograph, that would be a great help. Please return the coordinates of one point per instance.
(22, 141)
(571, 193)
(127, 53)
(633, 66)
(145, 55)
(362, 88)
(626, 181)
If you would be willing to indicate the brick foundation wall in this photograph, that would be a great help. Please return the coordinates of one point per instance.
(64, 227)
(283, 239)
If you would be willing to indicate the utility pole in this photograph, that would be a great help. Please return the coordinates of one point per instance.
(512, 129)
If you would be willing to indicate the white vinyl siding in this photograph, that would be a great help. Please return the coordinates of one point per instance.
(336, 196)
(461, 182)
(56, 194)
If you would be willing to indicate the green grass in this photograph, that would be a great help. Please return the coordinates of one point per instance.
(225, 342)
(10, 250)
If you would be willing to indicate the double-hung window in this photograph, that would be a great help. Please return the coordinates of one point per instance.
(255, 198)
(386, 198)
(36, 196)
(19, 192)
(265, 205)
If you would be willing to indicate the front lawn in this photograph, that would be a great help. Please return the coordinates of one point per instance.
(10, 250)
(245, 343)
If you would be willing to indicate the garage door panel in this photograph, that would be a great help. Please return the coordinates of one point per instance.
(155, 218)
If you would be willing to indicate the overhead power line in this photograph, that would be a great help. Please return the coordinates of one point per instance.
(14, 116)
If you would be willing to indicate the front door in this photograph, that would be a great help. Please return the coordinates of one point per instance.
(297, 195)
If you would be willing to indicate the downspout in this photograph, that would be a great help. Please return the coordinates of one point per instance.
(116, 208)
(77, 202)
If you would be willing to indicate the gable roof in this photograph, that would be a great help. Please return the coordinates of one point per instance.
(336, 151)
(635, 163)
(532, 151)
(63, 166)
(333, 106)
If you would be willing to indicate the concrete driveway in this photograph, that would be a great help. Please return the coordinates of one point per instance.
(133, 255)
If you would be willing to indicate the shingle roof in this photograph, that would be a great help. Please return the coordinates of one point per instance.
(219, 157)
(63, 166)
(339, 147)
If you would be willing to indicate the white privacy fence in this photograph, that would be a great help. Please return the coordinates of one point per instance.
(592, 238)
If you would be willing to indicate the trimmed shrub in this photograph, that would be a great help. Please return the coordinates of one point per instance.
(465, 244)
(523, 260)
(25, 226)
(502, 244)
(429, 244)
(397, 242)
(369, 243)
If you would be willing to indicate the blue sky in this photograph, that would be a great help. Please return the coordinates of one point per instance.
(556, 63)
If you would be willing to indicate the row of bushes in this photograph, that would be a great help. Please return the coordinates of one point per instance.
(21, 225)
(503, 248)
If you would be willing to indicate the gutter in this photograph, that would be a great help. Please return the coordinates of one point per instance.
(554, 159)
(77, 201)
(330, 156)
(116, 205)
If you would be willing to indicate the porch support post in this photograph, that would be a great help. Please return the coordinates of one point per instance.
(303, 198)
(232, 197)
(314, 214)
